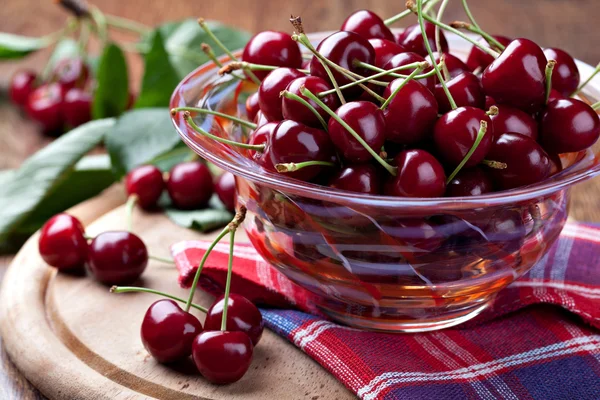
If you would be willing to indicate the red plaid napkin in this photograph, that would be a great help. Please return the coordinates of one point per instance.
(536, 353)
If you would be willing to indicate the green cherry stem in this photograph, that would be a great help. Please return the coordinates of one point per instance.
(307, 93)
(391, 72)
(237, 120)
(228, 281)
(392, 20)
(494, 164)
(549, 68)
(161, 259)
(400, 86)
(127, 24)
(596, 106)
(438, 35)
(246, 66)
(469, 15)
(135, 289)
(291, 167)
(588, 80)
(293, 96)
(472, 28)
(478, 139)
(131, 200)
(207, 49)
(100, 21)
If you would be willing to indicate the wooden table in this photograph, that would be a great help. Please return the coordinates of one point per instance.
(559, 23)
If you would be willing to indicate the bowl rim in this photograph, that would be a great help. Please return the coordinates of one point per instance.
(315, 191)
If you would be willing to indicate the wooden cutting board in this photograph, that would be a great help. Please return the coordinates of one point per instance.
(74, 340)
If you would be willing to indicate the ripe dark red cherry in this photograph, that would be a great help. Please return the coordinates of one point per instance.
(168, 332)
(272, 48)
(269, 98)
(242, 316)
(295, 111)
(252, 106)
(410, 116)
(455, 132)
(554, 95)
(45, 106)
(361, 178)
(510, 119)
(62, 243)
(368, 25)
(526, 161)
(384, 50)
(517, 76)
(263, 135)
(147, 183)
(465, 89)
(367, 120)
(454, 65)
(470, 182)
(419, 175)
(117, 257)
(70, 73)
(568, 125)
(412, 39)
(293, 142)
(565, 76)
(409, 58)
(478, 58)
(77, 107)
(225, 189)
(22, 85)
(489, 101)
(222, 357)
(190, 185)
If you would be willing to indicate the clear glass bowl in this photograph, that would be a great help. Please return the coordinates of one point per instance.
(377, 262)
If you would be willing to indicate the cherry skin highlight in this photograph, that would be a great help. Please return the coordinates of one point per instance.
(117, 257)
(368, 25)
(190, 185)
(242, 316)
(222, 357)
(70, 73)
(419, 175)
(147, 183)
(269, 98)
(22, 85)
(565, 76)
(360, 178)
(225, 189)
(291, 109)
(62, 243)
(272, 48)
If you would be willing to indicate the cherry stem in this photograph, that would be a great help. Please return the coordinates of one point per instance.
(596, 106)
(588, 80)
(472, 28)
(228, 281)
(293, 96)
(494, 164)
(478, 139)
(438, 36)
(291, 167)
(246, 66)
(492, 111)
(469, 15)
(127, 24)
(406, 13)
(388, 72)
(415, 72)
(100, 22)
(87, 237)
(549, 68)
(135, 289)
(420, 17)
(307, 93)
(206, 49)
(162, 259)
(131, 200)
(237, 120)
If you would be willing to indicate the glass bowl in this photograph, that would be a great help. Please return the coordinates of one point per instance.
(377, 262)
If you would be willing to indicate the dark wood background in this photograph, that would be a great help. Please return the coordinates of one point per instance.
(569, 24)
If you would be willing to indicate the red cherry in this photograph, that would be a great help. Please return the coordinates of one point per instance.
(147, 183)
(384, 50)
(62, 243)
(168, 332)
(565, 76)
(272, 48)
(368, 25)
(510, 119)
(526, 161)
(554, 95)
(410, 116)
(477, 58)
(489, 101)
(263, 135)
(77, 107)
(45, 106)
(517, 76)
(222, 357)
(252, 106)
(70, 73)
(260, 119)
(225, 189)
(22, 85)
(295, 111)
(269, 98)
(361, 178)
(190, 185)
(470, 182)
(242, 316)
(408, 58)
(412, 39)
(419, 175)
(455, 132)
(117, 257)
(465, 89)
(367, 120)
(569, 125)
(453, 64)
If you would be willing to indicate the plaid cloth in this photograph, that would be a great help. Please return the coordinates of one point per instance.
(539, 352)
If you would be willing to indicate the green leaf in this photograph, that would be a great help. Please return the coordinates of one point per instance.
(200, 220)
(17, 46)
(160, 78)
(140, 136)
(112, 90)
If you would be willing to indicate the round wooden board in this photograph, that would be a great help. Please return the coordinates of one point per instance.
(74, 340)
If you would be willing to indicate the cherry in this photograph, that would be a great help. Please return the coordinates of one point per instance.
(242, 316)
(569, 125)
(368, 25)
(565, 76)
(291, 109)
(147, 183)
(411, 115)
(412, 39)
(225, 189)
(222, 357)
(260, 119)
(190, 185)
(252, 106)
(293, 142)
(506, 227)
(361, 178)
(384, 50)
(45, 106)
(455, 132)
(409, 58)
(168, 332)
(272, 48)
(269, 98)
(489, 101)
(453, 64)
(417, 232)
(554, 95)
(77, 107)
(517, 76)
(70, 73)
(526, 161)
(117, 257)
(367, 120)
(465, 89)
(22, 85)
(470, 182)
(419, 175)
(62, 243)
(263, 135)
(478, 58)
(510, 119)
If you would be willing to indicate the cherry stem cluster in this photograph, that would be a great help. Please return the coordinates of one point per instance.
(410, 77)
(429, 4)
(135, 289)
(475, 29)
(478, 139)
(388, 72)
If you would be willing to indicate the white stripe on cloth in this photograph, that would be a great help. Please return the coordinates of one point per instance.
(592, 293)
